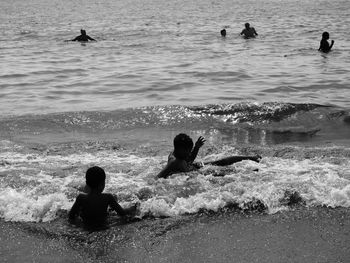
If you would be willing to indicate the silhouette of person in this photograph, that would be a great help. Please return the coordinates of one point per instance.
(249, 32)
(223, 33)
(92, 207)
(324, 45)
(83, 37)
(181, 160)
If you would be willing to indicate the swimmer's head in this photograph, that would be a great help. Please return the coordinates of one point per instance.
(223, 33)
(325, 35)
(247, 25)
(83, 32)
(183, 145)
(95, 178)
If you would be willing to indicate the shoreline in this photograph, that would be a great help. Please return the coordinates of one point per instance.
(299, 235)
(317, 234)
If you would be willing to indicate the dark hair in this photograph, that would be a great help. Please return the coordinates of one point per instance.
(223, 32)
(183, 141)
(325, 35)
(94, 176)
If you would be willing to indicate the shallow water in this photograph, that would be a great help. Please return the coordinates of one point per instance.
(169, 53)
(44, 158)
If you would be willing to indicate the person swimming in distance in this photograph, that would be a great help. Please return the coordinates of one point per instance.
(83, 37)
(324, 45)
(182, 158)
(223, 32)
(249, 32)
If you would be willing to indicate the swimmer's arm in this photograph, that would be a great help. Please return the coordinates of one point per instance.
(75, 209)
(115, 206)
(167, 170)
(255, 32)
(173, 166)
(242, 32)
(90, 38)
(332, 43)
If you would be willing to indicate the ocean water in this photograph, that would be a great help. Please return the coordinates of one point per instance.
(305, 149)
(160, 68)
(169, 53)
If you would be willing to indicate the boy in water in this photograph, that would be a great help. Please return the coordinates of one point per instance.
(92, 207)
(223, 32)
(181, 159)
(83, 37)
(324, 45)
(248, 32)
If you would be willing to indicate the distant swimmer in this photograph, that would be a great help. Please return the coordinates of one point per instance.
(223, 33)
(249, 32)
(324, 45)
(83, 37)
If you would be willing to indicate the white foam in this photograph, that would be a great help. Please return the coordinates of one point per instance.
(33, 186)
(23, 206)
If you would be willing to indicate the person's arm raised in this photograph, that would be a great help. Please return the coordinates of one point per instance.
(199, 143)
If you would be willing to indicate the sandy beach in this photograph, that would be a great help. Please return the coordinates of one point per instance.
(299, 235)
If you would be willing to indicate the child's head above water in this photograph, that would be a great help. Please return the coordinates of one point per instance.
(95, 178)
(325, 35)
(183, 145)
(183, 141)
(223, 33)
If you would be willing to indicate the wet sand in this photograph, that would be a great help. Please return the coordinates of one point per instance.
(18, 245)
(315, 235)
(299, 235)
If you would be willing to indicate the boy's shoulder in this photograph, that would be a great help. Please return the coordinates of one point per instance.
(107, 195)
(81, 197)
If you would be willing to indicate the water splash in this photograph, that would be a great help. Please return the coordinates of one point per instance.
(36, 186)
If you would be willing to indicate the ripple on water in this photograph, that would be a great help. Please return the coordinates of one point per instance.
(187, 63)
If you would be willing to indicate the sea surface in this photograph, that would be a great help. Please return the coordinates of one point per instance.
(159, 52)
(159, 68)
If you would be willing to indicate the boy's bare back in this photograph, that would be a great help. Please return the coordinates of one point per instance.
(93, 208)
